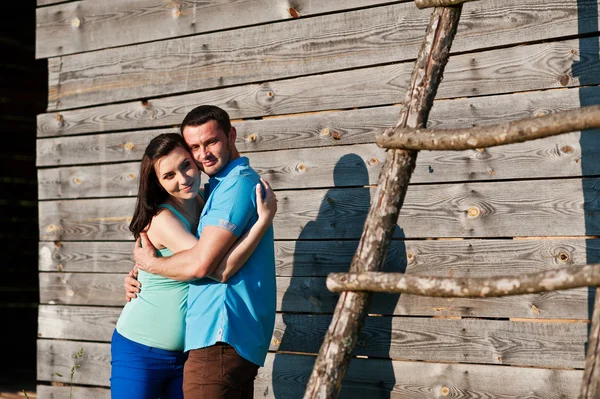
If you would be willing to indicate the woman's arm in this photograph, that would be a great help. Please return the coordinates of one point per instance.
(167, 230)
(240, 252)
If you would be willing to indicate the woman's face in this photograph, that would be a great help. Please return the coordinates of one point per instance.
(178, 174)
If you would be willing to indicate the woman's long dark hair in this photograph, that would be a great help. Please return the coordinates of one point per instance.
(150, 192)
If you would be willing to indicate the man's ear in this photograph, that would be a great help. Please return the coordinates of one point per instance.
(232, 137)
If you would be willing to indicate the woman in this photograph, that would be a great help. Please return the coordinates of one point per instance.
(147, 344)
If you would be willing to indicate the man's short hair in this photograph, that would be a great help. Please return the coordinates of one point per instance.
(205, 113)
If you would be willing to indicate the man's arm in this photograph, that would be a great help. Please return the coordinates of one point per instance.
(131, 284)
(225, 221)
(194, 263)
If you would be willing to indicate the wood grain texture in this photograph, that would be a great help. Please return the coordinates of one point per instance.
(320, 129)
(77, 322)
(498, 209)
(478, 137)
(52, 392)
(456, 258)
(308, 262)
(355, 165)
(299, 294)
(549, 344)
(469, 340)
(355, 88)
(50, 2)
(95, 257)
(92, 25)
(312, 46)
(284, 376)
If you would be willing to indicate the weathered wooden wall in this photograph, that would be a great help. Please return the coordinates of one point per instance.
(308, 84)
(23, 93)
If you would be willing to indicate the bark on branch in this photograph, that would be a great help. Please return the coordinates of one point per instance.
(590, 388)
(438, 3)
(332, 362)
(492, 135)
(475, 287)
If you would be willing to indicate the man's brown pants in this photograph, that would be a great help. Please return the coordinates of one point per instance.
(217, 372)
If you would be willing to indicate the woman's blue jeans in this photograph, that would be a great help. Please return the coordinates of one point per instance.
(142, 372)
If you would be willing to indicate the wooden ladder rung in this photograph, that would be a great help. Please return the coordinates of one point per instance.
(467, 287)
(492, 135)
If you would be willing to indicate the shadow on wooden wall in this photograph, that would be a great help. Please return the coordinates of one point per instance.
(349, 171)
(590, 139)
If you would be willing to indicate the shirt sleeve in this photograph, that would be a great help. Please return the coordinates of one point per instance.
(233, 206)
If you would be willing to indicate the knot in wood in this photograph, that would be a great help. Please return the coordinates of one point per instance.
(75, 22)
(563, 256)
(77, 180)
(301, 167)
(564, 80)
(325, 132)
(444, 391)
(129, 146)
(131, 176)
(59, 120)
(473, 212)
(373, 161)
(336, 136)
(567, 149)
(410, 256)
(293, 12)
(252, 137)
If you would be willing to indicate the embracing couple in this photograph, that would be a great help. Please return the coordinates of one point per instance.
(201, 313)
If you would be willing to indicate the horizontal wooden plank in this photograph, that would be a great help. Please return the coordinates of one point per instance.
(465, 75)
(57, 392)
(498, 209)
(355, 165)
(547, 344)
(98, 257)
(91, 25)
(474, 258)
(285, 376)
(319, 258)
(311, 46)
(429, 339)
(50, 2)
(298, 294)
(78, 322)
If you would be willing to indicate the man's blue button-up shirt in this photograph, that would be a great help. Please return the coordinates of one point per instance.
(240, 312)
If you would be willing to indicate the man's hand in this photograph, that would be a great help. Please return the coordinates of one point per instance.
(144, 253)
(132, 285)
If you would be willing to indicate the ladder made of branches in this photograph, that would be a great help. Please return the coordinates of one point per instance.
(403, 143)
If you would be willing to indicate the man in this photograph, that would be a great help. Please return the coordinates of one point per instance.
(228, 326)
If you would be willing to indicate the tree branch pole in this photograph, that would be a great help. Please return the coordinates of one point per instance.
(590, 387)
(472, 287)
(492, 135)
(438, 3)
(334, 356)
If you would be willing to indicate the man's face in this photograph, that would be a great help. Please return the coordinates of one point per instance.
(210, 146)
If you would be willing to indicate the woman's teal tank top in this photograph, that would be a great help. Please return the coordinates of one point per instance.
(156, 317)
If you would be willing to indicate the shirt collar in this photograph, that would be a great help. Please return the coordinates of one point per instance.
(241, 161)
